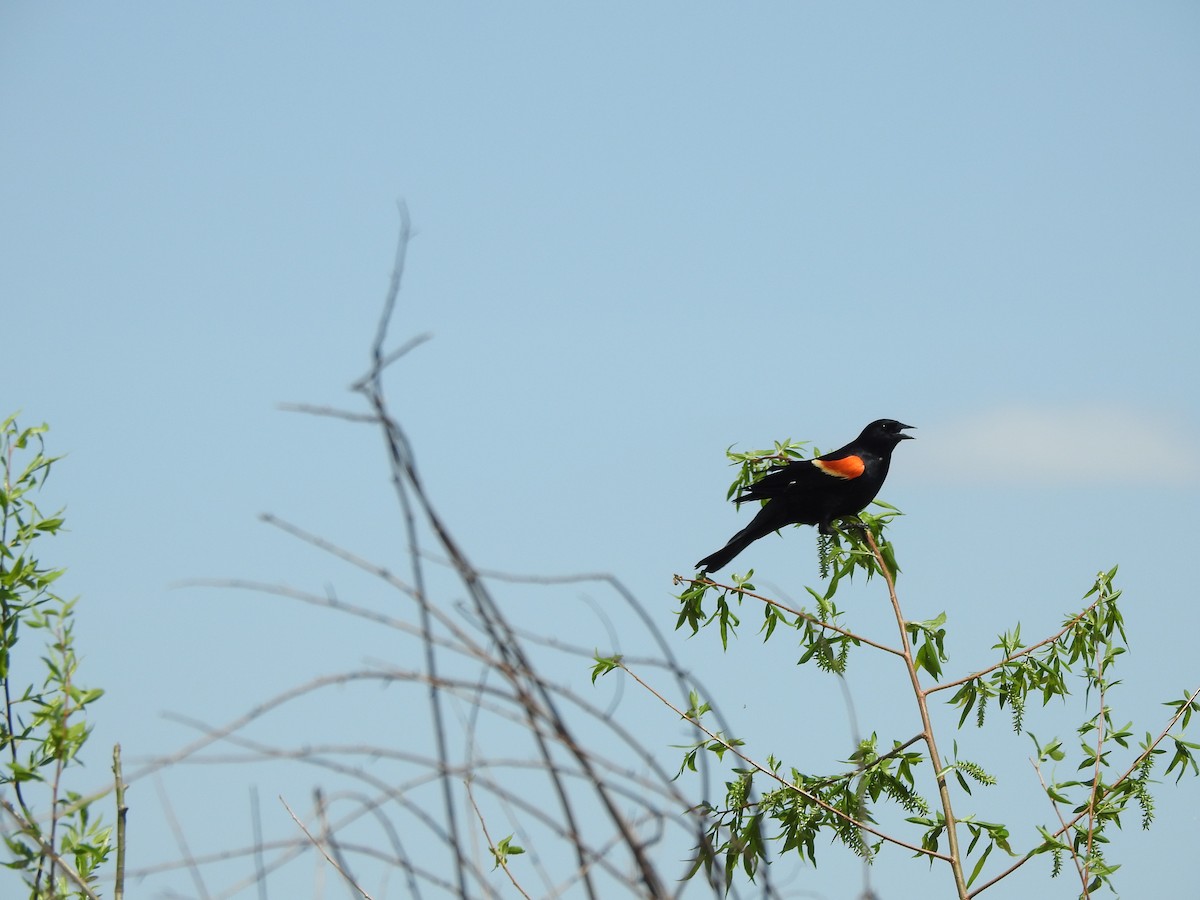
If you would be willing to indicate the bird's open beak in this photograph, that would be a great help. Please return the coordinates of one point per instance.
(907, 437)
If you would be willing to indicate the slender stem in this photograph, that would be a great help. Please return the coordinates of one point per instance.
(1093, 797)
(61, 751)
(1025, 652)
(955, 858)
(122, 809)
(679, 579)
(1058, 812)
(499, 857)
(371, 387)
(308, 834)
(884, 757)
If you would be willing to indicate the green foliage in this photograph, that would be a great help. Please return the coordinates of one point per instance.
(691, 606)
(503, 850)
(58, 850)
(604, 665)
(1106, 774)
(930, 640)
(754, 464)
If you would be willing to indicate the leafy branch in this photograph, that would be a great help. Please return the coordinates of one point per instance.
(721, 744)
(1089, 644)
(43, 727)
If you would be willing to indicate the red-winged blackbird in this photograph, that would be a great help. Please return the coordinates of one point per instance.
(816, 491)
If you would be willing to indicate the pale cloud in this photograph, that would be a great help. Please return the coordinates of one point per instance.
(1080, 445)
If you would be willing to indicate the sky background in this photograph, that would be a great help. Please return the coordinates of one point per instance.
(645, 233)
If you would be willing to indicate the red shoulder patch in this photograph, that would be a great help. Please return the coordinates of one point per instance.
(846, 467)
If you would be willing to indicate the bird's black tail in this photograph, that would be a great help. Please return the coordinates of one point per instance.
(739, 542)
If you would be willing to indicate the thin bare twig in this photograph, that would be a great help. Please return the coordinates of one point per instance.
(331, 412)
(122, 811)
(403, 349)
(329, 858)
(464, 645)
(371, 387)
(260, 867)
(499, 857)
(329, 836)
(181, 841)
(320, 543)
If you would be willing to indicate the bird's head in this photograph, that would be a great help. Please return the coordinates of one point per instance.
(886, 432)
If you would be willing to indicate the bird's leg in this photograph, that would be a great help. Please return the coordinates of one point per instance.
(854, 522)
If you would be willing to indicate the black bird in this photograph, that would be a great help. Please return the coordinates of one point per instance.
(816, 491)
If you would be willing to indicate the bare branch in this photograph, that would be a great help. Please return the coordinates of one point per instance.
(181, 841)
(329, 412)
(122, 812)
(500, 860)
(325, 854)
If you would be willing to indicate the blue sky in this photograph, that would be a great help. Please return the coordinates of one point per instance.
(645, 233)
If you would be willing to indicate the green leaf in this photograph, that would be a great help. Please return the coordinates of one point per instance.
(604, 665)
(503, 850)
(979, 865)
